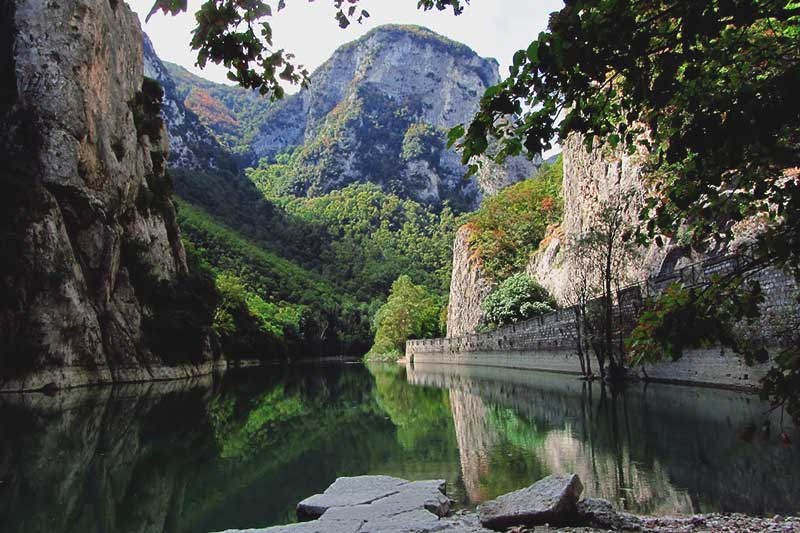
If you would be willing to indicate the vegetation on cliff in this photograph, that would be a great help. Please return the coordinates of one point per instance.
(233, 114)
(509, 226)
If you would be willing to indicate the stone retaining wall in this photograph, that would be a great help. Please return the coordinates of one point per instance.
(549, 342)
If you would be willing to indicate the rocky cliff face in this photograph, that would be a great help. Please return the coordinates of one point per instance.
(378, 111)
(468, 288)
(591, 180)
(86, 205)
(191, 146)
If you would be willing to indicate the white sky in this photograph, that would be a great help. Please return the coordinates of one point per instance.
(493, 28)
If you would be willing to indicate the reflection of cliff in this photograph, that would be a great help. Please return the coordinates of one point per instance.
(614, 475)
(475, 441)
(83, 461)
(660, 449)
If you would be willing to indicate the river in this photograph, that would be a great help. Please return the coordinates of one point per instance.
(240, 450)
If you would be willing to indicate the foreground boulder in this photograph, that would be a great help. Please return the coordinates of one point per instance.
(349, 492)
(552, 500)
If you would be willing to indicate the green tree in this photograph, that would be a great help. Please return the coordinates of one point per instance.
(517, 298)
(411, 312)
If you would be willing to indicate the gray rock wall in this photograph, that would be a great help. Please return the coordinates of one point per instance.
(590, 179)
(468, 288)
(83, 180)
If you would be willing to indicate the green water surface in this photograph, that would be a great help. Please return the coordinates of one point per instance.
(240, 450)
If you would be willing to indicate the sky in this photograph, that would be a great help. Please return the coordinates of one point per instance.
(493, 28)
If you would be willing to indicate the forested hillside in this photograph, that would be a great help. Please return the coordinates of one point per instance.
(231, 113)
(354, 187)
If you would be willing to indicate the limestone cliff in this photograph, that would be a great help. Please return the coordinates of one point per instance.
(190, 144)
(378, 111)
(86, 219)
(591, 178)
(468, 287)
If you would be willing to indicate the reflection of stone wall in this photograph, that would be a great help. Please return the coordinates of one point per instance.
(655, 449)
(84, 460)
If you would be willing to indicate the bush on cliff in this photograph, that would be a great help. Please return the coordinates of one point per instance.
(508, 227)
(517, 298)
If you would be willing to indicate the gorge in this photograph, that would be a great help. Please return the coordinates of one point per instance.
(214, 304)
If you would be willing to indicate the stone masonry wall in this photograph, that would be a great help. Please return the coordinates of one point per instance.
(549, 342)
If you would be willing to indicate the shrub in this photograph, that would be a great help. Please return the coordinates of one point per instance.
(517, 298)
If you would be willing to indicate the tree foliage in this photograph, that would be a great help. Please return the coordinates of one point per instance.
(684, 317)
(517, 298)
(706, 87)
(509, 226)
(374, 237)
(279, 295)
(411, 312)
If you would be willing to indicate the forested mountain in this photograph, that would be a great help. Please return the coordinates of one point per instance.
(372, 115)
(369, 116)
(233, 114)
(309, 208)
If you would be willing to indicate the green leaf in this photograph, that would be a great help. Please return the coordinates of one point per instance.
(455, 133)
(533, 51)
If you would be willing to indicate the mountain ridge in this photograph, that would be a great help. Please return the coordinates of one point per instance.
(368, 115)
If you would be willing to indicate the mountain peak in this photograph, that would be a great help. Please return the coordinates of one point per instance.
(377, 111)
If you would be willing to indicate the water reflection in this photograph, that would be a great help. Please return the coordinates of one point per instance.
(653, 450)
(211, 454)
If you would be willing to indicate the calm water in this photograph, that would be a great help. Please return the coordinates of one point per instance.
(240, 451)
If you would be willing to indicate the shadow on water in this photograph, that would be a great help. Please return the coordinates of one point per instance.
(240, 451)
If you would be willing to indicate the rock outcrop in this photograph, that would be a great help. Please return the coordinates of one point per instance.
(469, 286)
(191, 146)
(599, 513)
(86, 205)
(386, 490)
(377, 504)
(591, 181)
(373, 115)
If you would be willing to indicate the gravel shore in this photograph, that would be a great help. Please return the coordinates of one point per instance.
(724, 523)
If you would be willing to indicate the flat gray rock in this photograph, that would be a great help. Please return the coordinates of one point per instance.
(349, 491)
(377, 504)
(551, 500)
